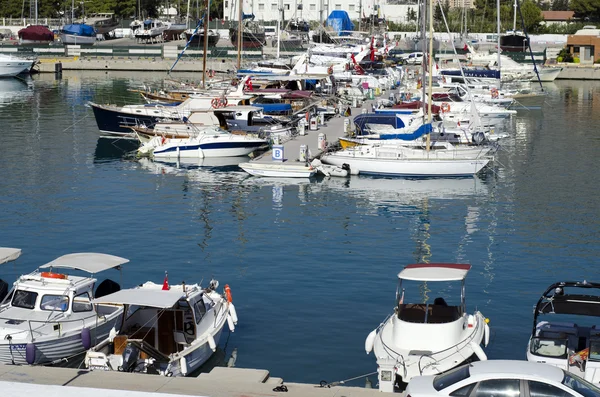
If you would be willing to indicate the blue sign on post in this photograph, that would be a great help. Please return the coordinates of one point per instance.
(277, 152)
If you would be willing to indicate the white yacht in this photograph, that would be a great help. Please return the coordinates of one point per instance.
(11, 66)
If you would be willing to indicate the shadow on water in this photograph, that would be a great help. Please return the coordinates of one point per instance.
(114, 148)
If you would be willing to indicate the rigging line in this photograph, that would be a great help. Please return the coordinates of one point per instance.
(187, 45)
(537, 73)
(75, 123)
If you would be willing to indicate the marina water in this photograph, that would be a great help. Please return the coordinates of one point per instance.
(312, 265)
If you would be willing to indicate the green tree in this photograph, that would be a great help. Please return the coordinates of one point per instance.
(588, 9)
(560, 5)
(532, 15)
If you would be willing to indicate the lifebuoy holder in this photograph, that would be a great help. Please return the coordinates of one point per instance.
(58, 276)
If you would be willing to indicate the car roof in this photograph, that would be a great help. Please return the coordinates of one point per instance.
(515, 368)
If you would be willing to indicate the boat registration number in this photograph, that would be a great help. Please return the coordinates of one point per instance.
(18, 347)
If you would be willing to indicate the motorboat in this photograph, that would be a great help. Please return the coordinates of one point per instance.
(151, 30)
(205, 142)
(12, 66)
(253, 34)
(574, 347)
(170, 330)
(103, 23)
(48, 317)
(175, 29)
(278, 170)
(422, 337)
(195, 37)
(251, 119)
(35, 34)
(77, 33)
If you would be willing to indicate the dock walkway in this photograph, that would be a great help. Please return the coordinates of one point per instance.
(220, 382)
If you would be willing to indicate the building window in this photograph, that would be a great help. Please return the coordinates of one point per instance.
(261, 7)
(226, 4)
(338, 6)
(274, 7)
(286, 6)
(313, 7)
(350, 7)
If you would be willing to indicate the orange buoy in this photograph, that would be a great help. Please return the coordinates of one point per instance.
(54, 275)
(228, 293)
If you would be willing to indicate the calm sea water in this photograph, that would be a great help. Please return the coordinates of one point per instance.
(312, 265)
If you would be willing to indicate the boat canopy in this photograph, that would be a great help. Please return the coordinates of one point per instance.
(391, 119)
(435, 272)
(340, 22)
(36, 32)
(79, 29)
(423, 129)
(9, 254)
(86, 261)
(162, 299)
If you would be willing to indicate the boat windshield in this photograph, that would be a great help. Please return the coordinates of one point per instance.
(451, 377)
(24, 299)
(579, 385)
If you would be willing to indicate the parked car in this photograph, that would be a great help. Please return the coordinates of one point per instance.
(413, 58)
(507, 378)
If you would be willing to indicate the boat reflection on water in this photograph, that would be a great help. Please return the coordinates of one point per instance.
(112, 148)
(15, 90)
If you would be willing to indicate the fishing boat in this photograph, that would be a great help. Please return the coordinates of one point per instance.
(12, 66)
(170, 330)
(151, 30)
(35, 34)
(558, 340)
(253, 34)
(77, 33)
(421, 337)
(278, 170)
(48, 317)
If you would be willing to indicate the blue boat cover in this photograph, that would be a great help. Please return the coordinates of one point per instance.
(340, 22)
(79, 29)
(419, 132)
(247, 16)
(274, 107)
(377, 118)
(471, 72)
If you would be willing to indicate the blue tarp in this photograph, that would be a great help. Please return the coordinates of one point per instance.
(422, 130)
(370, 118)
(274, 108)
(339, 21)
(79, 29)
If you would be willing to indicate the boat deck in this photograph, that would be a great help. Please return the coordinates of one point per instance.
(220, 382)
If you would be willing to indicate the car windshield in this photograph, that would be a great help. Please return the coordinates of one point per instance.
(449, 378)
(581, 386)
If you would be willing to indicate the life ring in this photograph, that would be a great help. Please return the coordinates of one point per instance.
(222, 102)
(582, 354)
(330, 70)
(494, 92)
(215, 102)
(54, 275)
(228, 293)
(445, 107)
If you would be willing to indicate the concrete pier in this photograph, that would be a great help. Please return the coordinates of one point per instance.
(220, 382)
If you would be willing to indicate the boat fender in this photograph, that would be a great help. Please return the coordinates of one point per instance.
(486, 337)
(478, 351)
(30, 353)
(370, 341)
(233, 313)
(228, 293)
(211, 342)
(183, 365)
(86, 338)
(230, 323)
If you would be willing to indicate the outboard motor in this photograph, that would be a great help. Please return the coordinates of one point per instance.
(478, 138)
(131, 354)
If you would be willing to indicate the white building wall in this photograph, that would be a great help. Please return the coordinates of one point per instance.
(267, 10)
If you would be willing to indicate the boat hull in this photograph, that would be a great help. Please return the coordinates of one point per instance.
(223, 148)
(198, 39)
(277, 171)
(114, 122)
(77, 39)
(249, 39)
(12, 67)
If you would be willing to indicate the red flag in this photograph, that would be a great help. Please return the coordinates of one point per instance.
(166, 283)
(353, 59)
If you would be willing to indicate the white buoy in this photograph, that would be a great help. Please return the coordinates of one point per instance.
(230, 323)
(478, 351)
(233, 313)
(486, 337)
(183, 365)
(370, 341)
(211, 342)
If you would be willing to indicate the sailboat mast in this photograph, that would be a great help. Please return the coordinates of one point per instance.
(280, 11)
(187, 16)
(430, 65)
(240, 32)
(206, 19)
(498, 23)
(514, 18)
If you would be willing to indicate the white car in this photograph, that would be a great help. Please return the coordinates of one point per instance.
(413, 58)
(502, 378)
